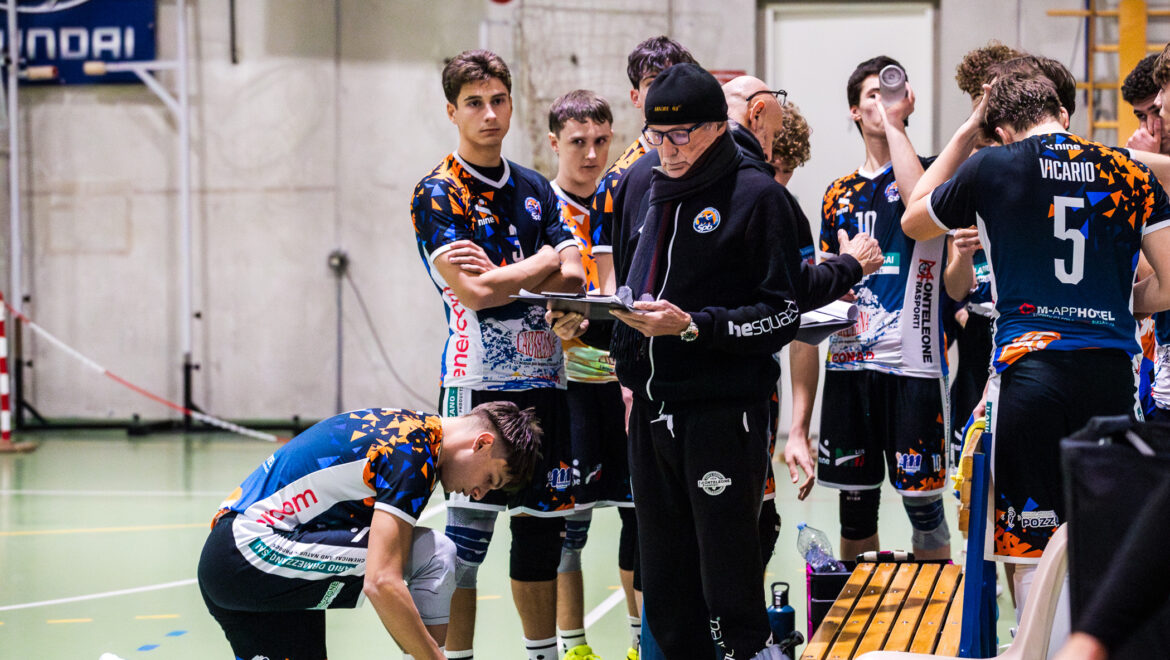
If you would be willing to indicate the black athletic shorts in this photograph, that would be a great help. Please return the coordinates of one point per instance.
(601, 452)
(263, 614)
(551, 491)
(872, 422)
(1039, 399)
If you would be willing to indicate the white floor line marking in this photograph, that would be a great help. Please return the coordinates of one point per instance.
(606, 605)
(430, 513)
(116, 493)
(106, 594)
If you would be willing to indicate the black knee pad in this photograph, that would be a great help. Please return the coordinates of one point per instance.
(628, 540)
(536, 548)
(859, 513)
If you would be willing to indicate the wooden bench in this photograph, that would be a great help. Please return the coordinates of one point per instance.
(908, 606)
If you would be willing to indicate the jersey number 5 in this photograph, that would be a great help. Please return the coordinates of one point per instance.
(1068, 271)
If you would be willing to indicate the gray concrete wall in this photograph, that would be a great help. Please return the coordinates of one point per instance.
(313, 142)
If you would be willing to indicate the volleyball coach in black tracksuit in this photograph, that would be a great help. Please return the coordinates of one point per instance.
(698, 238)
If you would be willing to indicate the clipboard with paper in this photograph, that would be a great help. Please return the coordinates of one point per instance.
(816, 325)
(593, 307)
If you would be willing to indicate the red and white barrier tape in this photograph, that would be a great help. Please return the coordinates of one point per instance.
(44, 334)
(5, 403)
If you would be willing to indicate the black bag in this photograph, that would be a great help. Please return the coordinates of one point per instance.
(1111, 467)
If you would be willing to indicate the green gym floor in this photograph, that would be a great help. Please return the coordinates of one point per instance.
(100, 535)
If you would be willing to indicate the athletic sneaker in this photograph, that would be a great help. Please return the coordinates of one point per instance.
(582, 652)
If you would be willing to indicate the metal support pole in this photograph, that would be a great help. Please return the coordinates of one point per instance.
(16, 253)
(15, 284)
(184, 116)
(339, 264)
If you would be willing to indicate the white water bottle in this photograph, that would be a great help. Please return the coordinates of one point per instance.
(892, 84)
(817, 550)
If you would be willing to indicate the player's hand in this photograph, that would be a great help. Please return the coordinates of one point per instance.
(862, 247)
(470, 257)
(799, 459)
(961, 316)
(979, 112)
(566, 325)
(967, 241)
(1143, 140)
(849, 297)
(655, 318)
(895, 115)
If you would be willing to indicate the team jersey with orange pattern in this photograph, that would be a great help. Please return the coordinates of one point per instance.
(584, 363)
(1062, 220)
(509, 347)
(899, 325)
(601, 210)
(333, 476)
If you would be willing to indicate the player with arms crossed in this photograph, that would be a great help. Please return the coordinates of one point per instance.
(486, 228)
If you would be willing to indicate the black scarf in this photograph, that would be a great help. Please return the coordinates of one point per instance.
(665, 195)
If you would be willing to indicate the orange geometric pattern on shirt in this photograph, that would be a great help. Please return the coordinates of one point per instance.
(577, 220)
(1026, 343)
(841, 188)
(1009, 544)
(392, 431)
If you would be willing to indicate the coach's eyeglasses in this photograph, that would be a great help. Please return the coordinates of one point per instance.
(678, 136)
(780, 94)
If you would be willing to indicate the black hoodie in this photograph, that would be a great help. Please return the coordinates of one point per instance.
(722, 257)
(820, 284)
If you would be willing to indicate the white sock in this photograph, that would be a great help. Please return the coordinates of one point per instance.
(540, 649)
(469, 654)
(635, 631)
(571, 638)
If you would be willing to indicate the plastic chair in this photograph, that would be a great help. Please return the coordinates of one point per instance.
(1035, 626)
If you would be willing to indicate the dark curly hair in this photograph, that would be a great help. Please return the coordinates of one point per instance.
(1139, 85)
(972, 72)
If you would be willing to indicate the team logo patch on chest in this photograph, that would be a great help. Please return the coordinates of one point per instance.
(533, 208)
(707, 221)
(891, 193)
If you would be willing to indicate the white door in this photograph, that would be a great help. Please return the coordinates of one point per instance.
(811, 50)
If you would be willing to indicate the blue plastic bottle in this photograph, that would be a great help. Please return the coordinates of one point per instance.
(781, 616)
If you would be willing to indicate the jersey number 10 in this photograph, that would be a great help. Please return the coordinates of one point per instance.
(865, 221)
(1068, 271)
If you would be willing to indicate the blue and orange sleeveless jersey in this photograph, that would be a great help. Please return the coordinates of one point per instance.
(584, 363)
(1062, 220)
(899, 326)
(509, 347)
(336, 473)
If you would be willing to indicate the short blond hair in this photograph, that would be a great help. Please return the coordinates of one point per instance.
(791, 145)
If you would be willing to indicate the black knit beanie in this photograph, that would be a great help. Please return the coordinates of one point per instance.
(685, 94)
